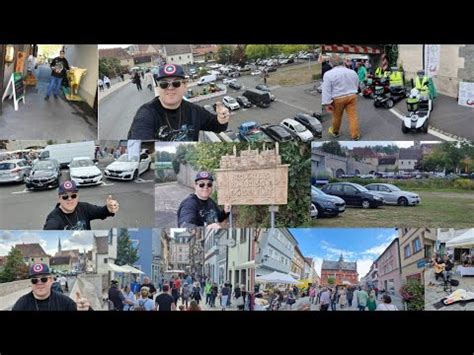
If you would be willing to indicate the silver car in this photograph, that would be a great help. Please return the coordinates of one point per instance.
(394, 195)
(15, 170)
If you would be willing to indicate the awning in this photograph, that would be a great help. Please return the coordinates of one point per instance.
(278, 278)
(132, 270)
(346, 48)
(116, 268)
(464, 240)
(247, 265)
(294, 274)
(175, 272)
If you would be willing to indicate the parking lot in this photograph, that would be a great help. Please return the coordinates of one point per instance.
(289, 101)
(28, 209)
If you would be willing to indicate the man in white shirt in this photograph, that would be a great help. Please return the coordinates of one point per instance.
(340, 86)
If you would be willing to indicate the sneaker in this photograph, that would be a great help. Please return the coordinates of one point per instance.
(332, 133)
(356, 138)
(46, 98)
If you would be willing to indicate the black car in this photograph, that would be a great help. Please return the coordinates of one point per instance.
(310, 123)
(258, 97)
(354, 194)
(44, 175)
(277, 132)
(270, 69)
(262, 87)
(243, 101)
(235, 85)
(325, 205)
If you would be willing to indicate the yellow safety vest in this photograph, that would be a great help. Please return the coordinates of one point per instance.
(378, 72)
(396, 79)
(422, 85)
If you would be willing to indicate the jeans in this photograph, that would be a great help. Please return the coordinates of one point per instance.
(333, 306)
(361, 308)
(208, 298)
(224, 300)
(54, 86)
(447, 275)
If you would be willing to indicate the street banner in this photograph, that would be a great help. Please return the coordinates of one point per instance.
(432, 52)
(15, 89)
(466, 94)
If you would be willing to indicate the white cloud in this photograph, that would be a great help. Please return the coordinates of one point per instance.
(81, 238)
(6, 236)
(363, 267)
(332, 252)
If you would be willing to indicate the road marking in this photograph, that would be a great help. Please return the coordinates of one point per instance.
(431, 130)
(104, 184)
(294, 106)
(25, 191)
(141, 181)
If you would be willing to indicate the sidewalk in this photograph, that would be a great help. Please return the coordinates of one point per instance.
(115, 85)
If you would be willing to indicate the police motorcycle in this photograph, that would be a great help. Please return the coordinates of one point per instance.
(389, 95)
(419, 105)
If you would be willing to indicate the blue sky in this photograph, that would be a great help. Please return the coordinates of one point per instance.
(142, 237)
(363, 245)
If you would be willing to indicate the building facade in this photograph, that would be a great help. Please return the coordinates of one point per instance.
(275, 251)
(412, 253)
(341, 272)
(389, 270)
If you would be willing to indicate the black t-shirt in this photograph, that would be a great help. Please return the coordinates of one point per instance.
(59, 66)
(55, 302)
(78, 220)
(196, 212)
(116, 297)
(153, 121)
(151, 287)
(448, 265)
(164, 302)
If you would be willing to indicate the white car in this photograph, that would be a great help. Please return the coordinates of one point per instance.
(83, 172)
(256, 72)
(228, 81)
(230, 103)
(297, 128)
(125, 168)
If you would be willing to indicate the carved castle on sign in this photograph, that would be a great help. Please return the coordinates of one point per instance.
(252, 159)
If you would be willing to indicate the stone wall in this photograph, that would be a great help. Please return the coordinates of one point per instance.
(10, 287)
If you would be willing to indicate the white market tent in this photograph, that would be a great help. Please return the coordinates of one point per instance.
(175, 272)
(464, 240)
(116, 268)
(131, 269)
(278, 278)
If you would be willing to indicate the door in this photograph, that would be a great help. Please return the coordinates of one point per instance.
(352, 196)
(386, 193)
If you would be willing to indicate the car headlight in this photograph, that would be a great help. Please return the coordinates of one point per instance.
(128, 170)
(328, 204)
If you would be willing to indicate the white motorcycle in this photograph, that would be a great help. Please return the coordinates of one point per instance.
(419, 110)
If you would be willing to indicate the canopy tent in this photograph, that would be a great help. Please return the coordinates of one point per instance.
(346, 283)
(278, 278)
(175, 272)
(116, 268)
(132, 270)
(465, 240)
(346, 48)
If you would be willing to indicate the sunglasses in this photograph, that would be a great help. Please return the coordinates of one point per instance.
(66, 196)
(202, 184)
(42, 279)
(166, 84)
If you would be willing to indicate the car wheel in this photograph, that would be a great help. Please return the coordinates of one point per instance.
(404, 128)
(135, 175)
(365, 203)
(23, 181)
(313, 211)
(402, 201)
(389, 104)
(424, 128)
(149, 166)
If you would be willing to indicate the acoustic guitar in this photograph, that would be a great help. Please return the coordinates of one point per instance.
(439, 268)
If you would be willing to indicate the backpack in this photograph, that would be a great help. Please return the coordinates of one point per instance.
(141, 305)
(454, 282)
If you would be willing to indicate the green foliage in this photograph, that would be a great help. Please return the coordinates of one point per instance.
(331, 281)
(224, 54)
(15, 267)
(109, 66)
(413, 294)
(391, 50)
(126, 253)
(451, 157)
(464, 184)
(333, 147)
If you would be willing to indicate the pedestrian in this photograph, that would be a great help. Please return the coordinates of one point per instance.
(142, 74)
(225, 291)
(63, 281)
(350, 296)
(372, 301)
(199, 209)
(291, 299)
(343, 299)
(59, 67)
(168, 112)
(42, 299)
(165, 301)
(325, 299)
(194, 306)
(129, 298)
(362, 298)
(239, 299)
(386, 304)
(312, 294)
(150, 285)
(333, 299)
(277, 301)
(362, 75)
(107, 81)
(123, 78)
(137, 81)
(175, 293)
(116, 297)
(101, 84)
(196, 293)
(185, 294)
(71, 214)
(149, 80)
(144, 303)
(207, 291)
(340, 87)
(318, 295)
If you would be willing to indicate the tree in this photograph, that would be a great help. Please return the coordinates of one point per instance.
(15, 267)
(391, 50)
(331, 281)
(238, 56)
(126, 253)
(109, 66)
(224, 54)
(413, 294)
(333, 147)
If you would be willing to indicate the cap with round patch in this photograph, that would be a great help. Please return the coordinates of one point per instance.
(38, 269)
(170, 70)
(204, 175)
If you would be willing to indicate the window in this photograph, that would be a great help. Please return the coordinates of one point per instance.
(243, 236)
(407, 251)
(179, 57)
(105, 261)
(416, 245)
(349, 189)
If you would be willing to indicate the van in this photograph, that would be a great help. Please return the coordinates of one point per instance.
(206, 79)
(257, 97)
(64, 153)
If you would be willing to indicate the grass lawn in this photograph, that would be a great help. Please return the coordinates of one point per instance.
(294, 75)
(451, 208)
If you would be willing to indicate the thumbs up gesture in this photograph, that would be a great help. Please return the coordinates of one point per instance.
(81, 302)
(112, 205)
(223, 113)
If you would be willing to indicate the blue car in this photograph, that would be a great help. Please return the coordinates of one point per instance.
(325, 205)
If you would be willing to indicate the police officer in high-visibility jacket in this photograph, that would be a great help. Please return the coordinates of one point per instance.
(379, 72)
(422, 84)
(396, 77)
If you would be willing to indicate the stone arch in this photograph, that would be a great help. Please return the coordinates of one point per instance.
(340, 172)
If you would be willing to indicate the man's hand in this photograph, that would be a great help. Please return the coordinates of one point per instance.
(227, 208)
(214, 226)
(329, 108)
(223, 113)
(81, 302)
(112, 205)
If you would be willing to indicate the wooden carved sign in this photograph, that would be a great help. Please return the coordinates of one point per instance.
(253, 178)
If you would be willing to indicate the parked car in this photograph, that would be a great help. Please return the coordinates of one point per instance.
(323, 204)
(262, 87)
(14, 170)
(298, 129)
(251, 132)
(270, 69)
(243, 101)
(277, 132)
(256, 72)
(354, 194)
(233, 74)
(228, 81)
(44, 175)
(235, 85)
(230, 103)
(125, 168)
(257, 97)
(310, 123)
(84, 172)
(394, 195)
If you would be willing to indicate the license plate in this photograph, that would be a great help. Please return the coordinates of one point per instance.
(40, 184)
(87, 181)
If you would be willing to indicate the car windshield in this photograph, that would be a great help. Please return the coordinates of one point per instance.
(313, 121)
(7, 166)
(44, 165)
(359, 187)
(231, 101)
(125, 158)
(393, 187)
(316, 191)
(299, 128)
(81, 163)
